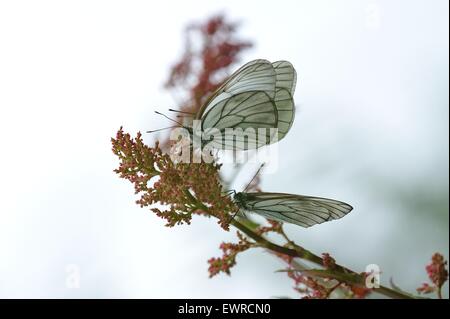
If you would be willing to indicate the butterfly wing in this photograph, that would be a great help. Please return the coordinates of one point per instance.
(301, 210)
(285, 111)
(248, 111)
(256, 75)
(257, 96)
(286, 79)
(286, 76)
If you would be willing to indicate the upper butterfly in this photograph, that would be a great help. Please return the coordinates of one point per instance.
(255, 104)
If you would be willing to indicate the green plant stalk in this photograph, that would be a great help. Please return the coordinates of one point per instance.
(307, 255)
(299, 252)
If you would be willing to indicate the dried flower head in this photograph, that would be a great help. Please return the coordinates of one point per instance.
(438, 273)
(275, 227)
(200, 71)
(328, 261)
(228, 259)
(185, 188)
(437, 270)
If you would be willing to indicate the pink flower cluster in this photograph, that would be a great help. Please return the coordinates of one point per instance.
(228, 259)
(184, 189)
(438, 273)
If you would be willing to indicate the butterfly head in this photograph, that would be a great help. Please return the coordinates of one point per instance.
(240, 199)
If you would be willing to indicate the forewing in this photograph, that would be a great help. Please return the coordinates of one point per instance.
(256, 75)
(304, 211)
(245, 113)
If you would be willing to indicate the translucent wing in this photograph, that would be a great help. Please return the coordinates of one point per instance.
(257, 96)
(285, 110)
(304, 211)
(248, 111)
(286, 79)
(256, 75)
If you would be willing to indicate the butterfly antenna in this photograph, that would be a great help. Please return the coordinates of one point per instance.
(184, 112)
(161, 129)
(159, 113)
(233, 216)
(228, 192)
(254, 176)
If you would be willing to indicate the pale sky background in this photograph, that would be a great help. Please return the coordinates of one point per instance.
(371, 130)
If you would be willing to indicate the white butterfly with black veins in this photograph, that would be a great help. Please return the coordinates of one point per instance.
(301, 210)
(259, 95)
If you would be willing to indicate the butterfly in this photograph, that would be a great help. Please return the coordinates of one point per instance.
(301, 210)
(258, 96)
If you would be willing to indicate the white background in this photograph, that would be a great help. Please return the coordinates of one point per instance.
(372, 130)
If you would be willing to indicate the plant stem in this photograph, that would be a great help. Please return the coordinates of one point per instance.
(298, 252)
(306, 254)
(330, 291)
(439, 292)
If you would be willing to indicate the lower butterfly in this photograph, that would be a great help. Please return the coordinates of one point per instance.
(300, 210)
